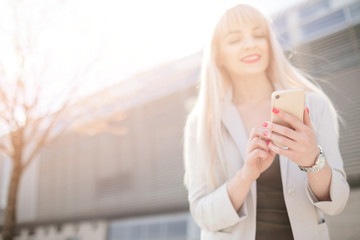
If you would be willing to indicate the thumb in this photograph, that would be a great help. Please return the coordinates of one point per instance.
(306, 117)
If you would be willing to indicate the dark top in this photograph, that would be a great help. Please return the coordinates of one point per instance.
(272, 221)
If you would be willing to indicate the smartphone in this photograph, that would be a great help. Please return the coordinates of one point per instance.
(291, 101)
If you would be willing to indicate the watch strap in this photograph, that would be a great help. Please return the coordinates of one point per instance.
(319, 164)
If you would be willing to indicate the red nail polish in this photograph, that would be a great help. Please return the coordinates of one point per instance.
(265, 124)
(274, 110)
(307, 109)
(265, 133)
(268, 142)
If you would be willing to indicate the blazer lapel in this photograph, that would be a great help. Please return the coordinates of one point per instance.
(232, 121)
(284, 165)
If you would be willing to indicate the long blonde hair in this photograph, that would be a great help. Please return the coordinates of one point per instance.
(214, 86)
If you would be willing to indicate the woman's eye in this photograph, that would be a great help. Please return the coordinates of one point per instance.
(259, 36)
(234, 40)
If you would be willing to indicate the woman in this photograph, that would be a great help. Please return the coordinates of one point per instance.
(241, 185)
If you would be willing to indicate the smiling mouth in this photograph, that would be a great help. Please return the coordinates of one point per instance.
(251, 58)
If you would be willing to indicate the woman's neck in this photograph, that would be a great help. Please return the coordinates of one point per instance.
(251, 89)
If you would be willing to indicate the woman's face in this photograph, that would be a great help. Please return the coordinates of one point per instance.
(244, 52)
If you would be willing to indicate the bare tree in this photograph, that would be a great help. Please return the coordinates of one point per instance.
(27, 123)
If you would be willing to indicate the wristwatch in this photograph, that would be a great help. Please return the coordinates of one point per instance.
(319, 164)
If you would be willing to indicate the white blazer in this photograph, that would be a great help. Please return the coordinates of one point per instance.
(212, 209)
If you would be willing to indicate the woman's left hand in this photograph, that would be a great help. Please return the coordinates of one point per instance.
(301, 140)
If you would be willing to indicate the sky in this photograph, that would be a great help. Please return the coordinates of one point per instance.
(102, 42)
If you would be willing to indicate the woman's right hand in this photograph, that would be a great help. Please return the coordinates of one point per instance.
(258, 158)
(258, 155)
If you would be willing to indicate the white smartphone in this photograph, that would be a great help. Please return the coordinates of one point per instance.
(291, 101)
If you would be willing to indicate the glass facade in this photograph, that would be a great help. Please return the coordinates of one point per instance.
(164, 227)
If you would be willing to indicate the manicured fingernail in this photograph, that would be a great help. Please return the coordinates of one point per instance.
(307, 109)
(265, 133)
(275, 111)
(268, 142)
(265, 124)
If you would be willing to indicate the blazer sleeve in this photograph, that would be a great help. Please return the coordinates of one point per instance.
(211, 209)
(327, 138)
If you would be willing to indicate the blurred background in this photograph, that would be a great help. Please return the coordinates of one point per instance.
(114, 81)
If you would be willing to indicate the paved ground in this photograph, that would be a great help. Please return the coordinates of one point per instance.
(346, 226)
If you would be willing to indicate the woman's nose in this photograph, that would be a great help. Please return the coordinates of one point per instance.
(249, 42)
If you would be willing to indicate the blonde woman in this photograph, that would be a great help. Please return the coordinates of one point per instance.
(240, 185)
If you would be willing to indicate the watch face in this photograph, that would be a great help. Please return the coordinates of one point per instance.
(322, 161)
(319, 164)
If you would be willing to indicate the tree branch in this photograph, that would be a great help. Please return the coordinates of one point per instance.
(44, 138)
(4, 99)
(4, 149)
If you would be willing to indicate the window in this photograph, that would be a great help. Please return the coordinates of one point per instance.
(313, 9)
(322, 24)
(284, 40)
(355, 10)
(280, 24)
(164, 227)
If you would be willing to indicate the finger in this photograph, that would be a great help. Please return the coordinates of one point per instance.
(257, 132)
(270, 158)
(283, 130)
(280, 151)
(258, 143)
(307, 121)
(272, 153)
(290, 119)
(282, 140)
(258, 153)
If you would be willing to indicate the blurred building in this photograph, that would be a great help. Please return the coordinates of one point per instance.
(129, 184)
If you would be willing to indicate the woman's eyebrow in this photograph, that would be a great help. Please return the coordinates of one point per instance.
(239, 32)
(234, 32)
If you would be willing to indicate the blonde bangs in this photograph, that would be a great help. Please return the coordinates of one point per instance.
(235, 18)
